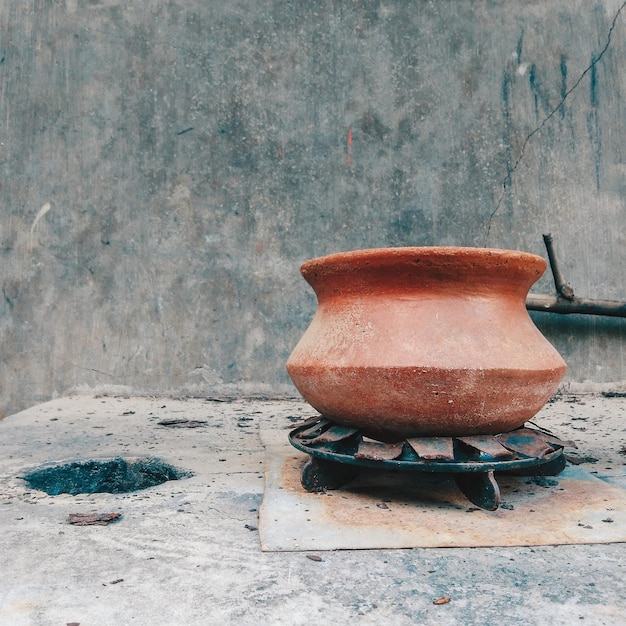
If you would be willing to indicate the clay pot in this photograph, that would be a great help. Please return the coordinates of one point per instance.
(434, 341)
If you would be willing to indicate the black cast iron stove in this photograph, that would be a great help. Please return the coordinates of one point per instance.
(337, 452)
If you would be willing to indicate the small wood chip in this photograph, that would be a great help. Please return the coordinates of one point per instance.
(116, 581)
(181, 423)
(314, 557)
(249, 527)
(92, 519)
(443, 600)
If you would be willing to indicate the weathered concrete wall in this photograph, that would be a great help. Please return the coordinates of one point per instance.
(166, 165)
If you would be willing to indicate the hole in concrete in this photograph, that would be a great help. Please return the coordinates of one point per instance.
(103, 476)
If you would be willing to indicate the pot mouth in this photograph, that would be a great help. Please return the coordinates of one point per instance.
(425, 267)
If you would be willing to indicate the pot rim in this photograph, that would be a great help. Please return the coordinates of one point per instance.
(434, 252)
(435, 268)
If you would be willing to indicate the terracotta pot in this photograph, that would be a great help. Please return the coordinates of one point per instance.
(425, 342)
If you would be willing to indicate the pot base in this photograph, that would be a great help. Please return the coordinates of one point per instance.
(390, 404)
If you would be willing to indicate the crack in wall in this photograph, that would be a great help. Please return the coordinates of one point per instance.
(549, 116)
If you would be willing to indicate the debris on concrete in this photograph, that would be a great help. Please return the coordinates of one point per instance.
(182, 423)
(92, 519)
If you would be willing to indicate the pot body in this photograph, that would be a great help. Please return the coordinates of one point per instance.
(411, 342)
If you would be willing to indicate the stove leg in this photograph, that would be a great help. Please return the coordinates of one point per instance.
(320, 474)
(480, 488)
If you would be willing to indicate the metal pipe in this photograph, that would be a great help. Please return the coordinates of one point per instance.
(582, 306)
(565, 301)
(562, 288)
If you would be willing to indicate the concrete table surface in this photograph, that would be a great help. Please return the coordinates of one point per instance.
(187, 551)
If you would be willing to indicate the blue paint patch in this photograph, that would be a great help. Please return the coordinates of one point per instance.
(563, 68)
(593, 83)
(539, 94)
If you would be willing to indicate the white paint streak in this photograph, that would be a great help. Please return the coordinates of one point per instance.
(44, 209)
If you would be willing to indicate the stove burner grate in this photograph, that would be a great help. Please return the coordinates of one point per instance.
(336, 453)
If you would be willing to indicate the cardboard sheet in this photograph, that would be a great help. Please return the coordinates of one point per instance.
(381, 509)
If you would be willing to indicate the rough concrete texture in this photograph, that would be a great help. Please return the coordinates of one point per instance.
(187, 552)
(165, 167)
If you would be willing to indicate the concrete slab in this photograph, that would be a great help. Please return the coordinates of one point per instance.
(187, 551)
